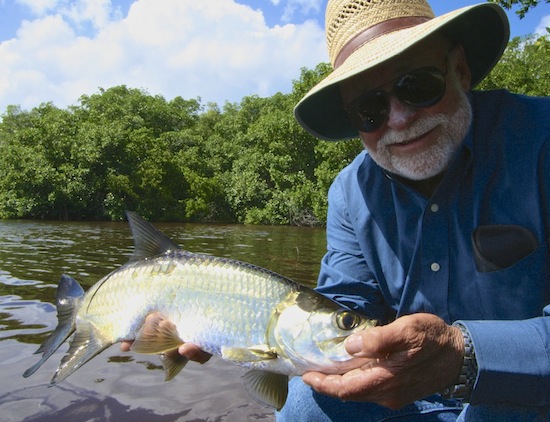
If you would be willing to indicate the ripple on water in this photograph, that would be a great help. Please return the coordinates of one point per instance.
(115, 385)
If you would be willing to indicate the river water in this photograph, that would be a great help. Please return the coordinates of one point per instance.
(117, 386)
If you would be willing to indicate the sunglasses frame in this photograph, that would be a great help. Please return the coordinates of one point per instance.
(372, 120)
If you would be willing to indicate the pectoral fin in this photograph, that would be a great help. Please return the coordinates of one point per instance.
(158, 335)
(267, 388)
(173, 363)
(248, 354)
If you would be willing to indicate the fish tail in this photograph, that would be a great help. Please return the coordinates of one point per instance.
(68, 298)
(86, 343)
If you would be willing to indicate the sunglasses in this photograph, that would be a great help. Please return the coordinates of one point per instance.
(422, 87)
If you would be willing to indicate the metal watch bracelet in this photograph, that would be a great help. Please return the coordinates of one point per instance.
(462, 389)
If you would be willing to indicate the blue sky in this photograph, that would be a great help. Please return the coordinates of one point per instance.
(218, 50)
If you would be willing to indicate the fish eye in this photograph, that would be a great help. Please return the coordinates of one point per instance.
(347, 320)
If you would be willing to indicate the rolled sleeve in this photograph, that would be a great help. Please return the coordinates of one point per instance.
(345, 275)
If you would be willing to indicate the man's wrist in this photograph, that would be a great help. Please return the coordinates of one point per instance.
(462, 388)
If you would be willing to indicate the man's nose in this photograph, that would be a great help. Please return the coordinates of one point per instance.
(401, 115)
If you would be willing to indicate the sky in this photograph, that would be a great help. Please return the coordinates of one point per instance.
(216, 50)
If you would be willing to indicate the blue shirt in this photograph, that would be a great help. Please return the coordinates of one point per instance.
(475, 251)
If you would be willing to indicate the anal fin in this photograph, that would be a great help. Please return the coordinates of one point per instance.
(173, 363)
(267, 388)
(158, 335)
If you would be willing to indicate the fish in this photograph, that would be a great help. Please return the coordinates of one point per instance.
(243, 313)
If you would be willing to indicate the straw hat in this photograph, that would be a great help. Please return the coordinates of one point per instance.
(364, 33)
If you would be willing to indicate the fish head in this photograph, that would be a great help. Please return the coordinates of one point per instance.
(311, 330)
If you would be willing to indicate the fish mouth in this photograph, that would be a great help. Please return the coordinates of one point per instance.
(334, 349)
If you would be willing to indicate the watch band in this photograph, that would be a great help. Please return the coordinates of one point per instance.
(462, 389)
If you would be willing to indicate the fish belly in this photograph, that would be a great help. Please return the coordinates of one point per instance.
(213, 302)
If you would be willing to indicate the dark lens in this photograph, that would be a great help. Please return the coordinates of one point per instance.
(368, 112)
(420, 88)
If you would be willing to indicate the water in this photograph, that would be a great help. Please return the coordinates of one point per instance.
(117, 386)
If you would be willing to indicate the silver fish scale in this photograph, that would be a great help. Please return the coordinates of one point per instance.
(213, 302)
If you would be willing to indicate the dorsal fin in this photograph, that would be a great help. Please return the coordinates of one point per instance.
(148, 240)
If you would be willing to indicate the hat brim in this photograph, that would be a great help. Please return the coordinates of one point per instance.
(482, 29)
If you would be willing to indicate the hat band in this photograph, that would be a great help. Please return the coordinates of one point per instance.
(375, 31)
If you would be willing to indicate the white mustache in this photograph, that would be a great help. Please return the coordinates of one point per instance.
(418, 128)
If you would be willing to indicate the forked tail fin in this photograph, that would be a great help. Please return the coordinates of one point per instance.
(67, 300)
(86, 343)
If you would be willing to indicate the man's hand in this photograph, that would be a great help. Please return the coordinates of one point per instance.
(190, 351)
(411, 358)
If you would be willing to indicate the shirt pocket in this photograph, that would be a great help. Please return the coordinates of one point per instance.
(497, 247)
(512, 281)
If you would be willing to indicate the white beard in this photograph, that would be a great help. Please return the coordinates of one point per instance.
(435, 159)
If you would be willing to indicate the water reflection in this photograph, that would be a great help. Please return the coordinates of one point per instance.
(118, 386)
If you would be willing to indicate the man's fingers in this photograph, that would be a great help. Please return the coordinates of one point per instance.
(325, 384)
(371, 343)
(314, 379)
(358, 384)
(192, 352)
(405, 333)
(125, 345)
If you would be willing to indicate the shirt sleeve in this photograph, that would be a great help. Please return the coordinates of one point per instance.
(513, 359)
(344, 275)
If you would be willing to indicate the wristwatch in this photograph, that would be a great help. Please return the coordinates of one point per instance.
(462, 389)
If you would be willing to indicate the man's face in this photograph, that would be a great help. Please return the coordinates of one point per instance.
(417, 142)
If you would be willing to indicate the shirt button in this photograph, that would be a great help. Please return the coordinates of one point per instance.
(435, 267)
(434, 208)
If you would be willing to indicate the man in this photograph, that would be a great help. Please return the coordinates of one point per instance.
(440, 229)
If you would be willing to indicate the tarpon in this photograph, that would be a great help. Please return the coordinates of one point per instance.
(246, 314)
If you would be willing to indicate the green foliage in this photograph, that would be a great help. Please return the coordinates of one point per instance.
(524, 5)
(250, 162)
(110, 153)
(523, 68)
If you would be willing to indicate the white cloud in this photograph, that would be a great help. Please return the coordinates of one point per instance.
(94, 12)
(217, 50)
(303, 7)
(544, 23)
(97, 12)
(38, 7)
